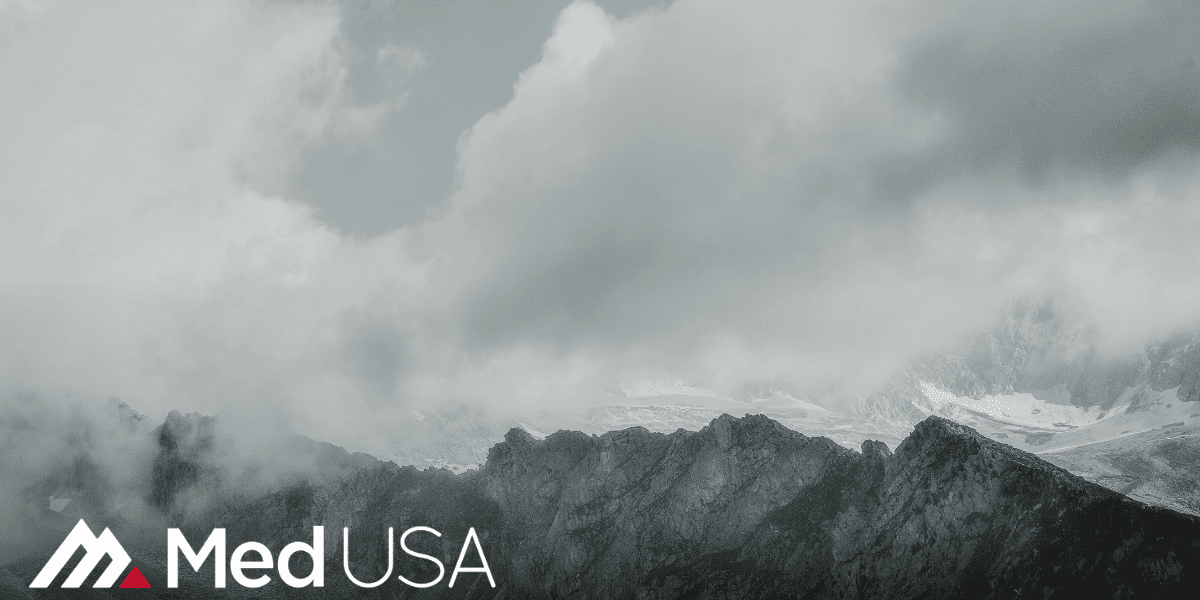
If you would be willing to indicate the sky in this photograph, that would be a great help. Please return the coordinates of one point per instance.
(326, 213)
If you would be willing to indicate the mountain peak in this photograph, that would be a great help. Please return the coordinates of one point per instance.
(748, 508)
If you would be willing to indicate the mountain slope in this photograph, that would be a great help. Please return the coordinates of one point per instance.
(743, 508)
(1161, 466)
(1038, 381)
(749, 508)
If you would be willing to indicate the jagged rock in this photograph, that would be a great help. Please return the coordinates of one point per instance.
(750, 509)
(744, 508)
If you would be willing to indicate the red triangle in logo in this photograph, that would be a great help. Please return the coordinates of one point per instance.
(135, 579)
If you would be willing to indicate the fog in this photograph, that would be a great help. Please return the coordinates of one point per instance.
(302, 214)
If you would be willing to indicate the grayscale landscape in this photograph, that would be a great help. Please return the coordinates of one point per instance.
(636, 298)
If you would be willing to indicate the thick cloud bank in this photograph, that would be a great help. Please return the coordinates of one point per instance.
(709, 192)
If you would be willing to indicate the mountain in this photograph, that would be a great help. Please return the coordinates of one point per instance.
(748, 508)
(1032, 348)
(1038, 381)
(742, 508)
(1160, 466)
(1035, 350)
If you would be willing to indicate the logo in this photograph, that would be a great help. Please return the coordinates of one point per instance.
(215, 546)
(239, 563)
(97, 548)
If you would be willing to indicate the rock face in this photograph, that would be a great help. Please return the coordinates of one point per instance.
(748, 509)
(1036, 360)
(1161, 466)
(744, 508)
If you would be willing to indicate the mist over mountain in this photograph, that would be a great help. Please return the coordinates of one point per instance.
(1037, 351)
(278, 208)
(356, 262)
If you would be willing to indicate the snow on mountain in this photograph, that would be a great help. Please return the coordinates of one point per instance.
(1019, 409)
(1043, 427)
(1035, 381)
(1160, 466)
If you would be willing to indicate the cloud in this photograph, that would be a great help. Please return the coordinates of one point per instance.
(138, 256)
(1075, 88)
(132, 124)
(702, 192)
(697, 184)
(806, 191)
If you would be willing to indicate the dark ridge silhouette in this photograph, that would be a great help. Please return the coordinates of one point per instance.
(744, 508)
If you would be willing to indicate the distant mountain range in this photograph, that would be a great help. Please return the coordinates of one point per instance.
(1039, 382)
(1028, 464)
(1034, 350)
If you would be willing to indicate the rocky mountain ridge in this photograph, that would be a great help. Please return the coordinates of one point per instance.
(743, 508)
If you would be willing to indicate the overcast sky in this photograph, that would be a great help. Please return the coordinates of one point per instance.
(330, 210)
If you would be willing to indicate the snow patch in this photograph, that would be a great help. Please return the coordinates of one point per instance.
(937, 397)
(1019, 409)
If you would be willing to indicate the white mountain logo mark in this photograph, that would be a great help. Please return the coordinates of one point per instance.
(97, 548)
